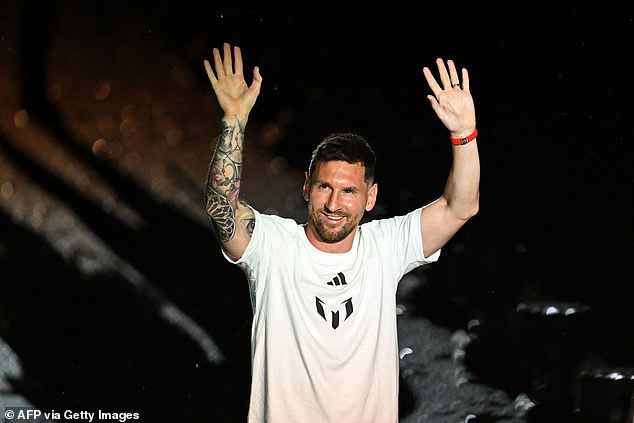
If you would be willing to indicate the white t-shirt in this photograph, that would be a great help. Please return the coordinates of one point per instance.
(324, 344)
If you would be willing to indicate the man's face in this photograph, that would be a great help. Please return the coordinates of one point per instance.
(337, 197)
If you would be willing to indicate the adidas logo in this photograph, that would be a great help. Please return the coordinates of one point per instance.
(340, 279)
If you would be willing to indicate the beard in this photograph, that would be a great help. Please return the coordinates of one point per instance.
(333, 233)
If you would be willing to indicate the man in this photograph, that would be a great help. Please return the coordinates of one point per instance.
(324, 338)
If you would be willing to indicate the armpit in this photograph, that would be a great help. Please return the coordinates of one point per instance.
(245, 218)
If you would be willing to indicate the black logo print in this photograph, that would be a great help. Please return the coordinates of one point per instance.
(347, 305)
(340, 279)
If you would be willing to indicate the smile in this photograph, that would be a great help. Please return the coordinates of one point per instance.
(334, 218)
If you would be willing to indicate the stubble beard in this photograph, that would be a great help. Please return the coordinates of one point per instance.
(329, 234)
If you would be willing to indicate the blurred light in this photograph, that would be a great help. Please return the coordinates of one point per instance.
(127, 127)
(550, 309)
(278, 165)
(82, 179)
(473, 323)
(461, 381)
(175, 316)
(615, 376)
(405, 351)
(20, 118)
(458, 355)
(181, 197)
(102, 90)
(99, 146)
(10, 366)
(460, 339)
(7, 190)
(270, 133)
(108, 204)
(158, 184)
(523, 403)
(128, 111)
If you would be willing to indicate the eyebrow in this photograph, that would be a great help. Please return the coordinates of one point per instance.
(327, 184)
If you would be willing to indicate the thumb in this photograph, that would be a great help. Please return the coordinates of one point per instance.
(257, 80)
(435, 105)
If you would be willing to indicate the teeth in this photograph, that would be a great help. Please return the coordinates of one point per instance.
(334, 217)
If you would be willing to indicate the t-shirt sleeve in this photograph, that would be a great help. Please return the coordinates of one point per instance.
(412, 232)
(402, 242)
(271, 234)
(253, 258)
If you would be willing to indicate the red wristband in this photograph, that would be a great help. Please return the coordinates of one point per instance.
(465, 138)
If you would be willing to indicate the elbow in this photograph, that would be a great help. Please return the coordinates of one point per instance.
(475, 207)
(473, 211)
(463, 210)
(469, 210)
(468, 214)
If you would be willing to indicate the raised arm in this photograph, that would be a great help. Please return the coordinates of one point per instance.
(232, 219)
(459, 202)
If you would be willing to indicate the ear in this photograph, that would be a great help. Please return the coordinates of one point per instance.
(306, 189)
(372, 193)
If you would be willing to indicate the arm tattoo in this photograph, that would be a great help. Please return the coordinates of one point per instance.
(223, 180)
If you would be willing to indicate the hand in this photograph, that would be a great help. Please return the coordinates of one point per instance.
(453, 105)
(235, 97)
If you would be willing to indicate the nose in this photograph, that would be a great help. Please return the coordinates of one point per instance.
(332, 204)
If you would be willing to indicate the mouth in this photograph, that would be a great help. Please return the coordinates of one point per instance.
(333, 218)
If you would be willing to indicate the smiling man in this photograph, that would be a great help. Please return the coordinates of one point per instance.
(324, 337)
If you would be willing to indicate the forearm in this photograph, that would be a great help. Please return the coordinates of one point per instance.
(462, 190)
(223, 181)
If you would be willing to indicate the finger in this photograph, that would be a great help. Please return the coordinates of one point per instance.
(238, 57)
(210, 73)
(220, 72)
(431, 81)
(444, 75)
(453, 74)
(465, 80)
(436, 106)
(228, 63)
(257, 80)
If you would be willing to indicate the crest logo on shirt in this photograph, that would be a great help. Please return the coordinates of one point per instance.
(335, 316)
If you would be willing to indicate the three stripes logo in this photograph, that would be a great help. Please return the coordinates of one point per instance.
(340, 279)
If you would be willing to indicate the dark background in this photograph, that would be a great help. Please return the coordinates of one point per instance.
(552, 85)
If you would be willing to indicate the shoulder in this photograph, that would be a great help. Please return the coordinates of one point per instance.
(390, 224)
(275, 223)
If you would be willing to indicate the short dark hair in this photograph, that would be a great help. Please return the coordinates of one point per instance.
(347, 147)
